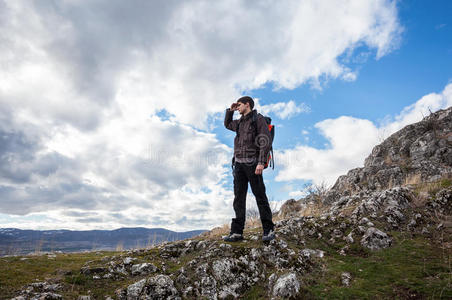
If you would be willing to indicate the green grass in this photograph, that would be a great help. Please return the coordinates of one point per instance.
(15, 272)
(411, 267)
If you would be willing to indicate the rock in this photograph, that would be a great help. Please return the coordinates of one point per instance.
(157, 287)
(84, 298)
(349, 238)
(222, 269)
(309, 252)
(419, 152)
(364, 221)
(92, 270)
(182, 279)
(343, 250)
(345, 278)
(134, 290)
(337, 233)
(375, 239)
(411, 224)
(209, 287)
(128, 260)
(286, 286)
(143, 269)
(161, 287)
(290, 208)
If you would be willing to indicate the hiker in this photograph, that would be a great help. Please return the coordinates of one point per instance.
(252, 144)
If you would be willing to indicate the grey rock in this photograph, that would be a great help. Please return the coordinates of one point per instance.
(310, 252)
(419, 152)
(346, 278)
(161, 287)
(134, 290)
(222, 269)
(375, 239)
(143, 269)
(128, 260)
(47, 296)
(349, 238)
(209, 287)
(286, 286)
(92, 270)
(157, 287)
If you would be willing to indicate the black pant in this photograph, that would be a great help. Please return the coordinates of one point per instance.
(244, 173)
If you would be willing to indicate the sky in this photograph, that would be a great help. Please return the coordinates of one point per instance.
(111, 112)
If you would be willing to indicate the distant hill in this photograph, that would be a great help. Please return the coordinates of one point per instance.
(17, 241)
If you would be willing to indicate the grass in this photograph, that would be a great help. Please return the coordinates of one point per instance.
(412, 267)
(15, 272)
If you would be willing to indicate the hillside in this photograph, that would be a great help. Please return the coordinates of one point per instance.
(381, 232)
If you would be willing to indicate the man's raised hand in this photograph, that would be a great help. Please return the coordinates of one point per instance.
(234, 106)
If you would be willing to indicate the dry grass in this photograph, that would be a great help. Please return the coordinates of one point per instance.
(120, 246)
(413, 179)
(251, 223)
(313, 209)
(424, 191)
(216, 232)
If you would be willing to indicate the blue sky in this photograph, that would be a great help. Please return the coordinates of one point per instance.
(111, 112)
(419, 65)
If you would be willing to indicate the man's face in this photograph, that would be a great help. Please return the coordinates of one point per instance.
(242, 108)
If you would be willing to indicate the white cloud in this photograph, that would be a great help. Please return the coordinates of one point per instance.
(162, 55)
(284, 110)
(82, 82)
(345, 151)
(351, 141)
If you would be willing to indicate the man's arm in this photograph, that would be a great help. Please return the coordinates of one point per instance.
(228, 122)
(263, 140)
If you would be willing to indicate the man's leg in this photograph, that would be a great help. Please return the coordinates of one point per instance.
(258, 188)
(240, 190)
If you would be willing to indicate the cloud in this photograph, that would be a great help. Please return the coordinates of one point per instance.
(284, 110)
(84, 84)
(82, 61)
(351, 141)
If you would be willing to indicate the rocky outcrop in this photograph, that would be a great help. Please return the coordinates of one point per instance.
(40, 290)
(420, 152)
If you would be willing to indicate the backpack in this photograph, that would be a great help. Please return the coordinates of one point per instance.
(271, 128)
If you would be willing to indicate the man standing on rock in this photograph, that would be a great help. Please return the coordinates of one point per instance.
(252, 144)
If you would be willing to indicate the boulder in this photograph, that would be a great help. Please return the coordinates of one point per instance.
(375, 239)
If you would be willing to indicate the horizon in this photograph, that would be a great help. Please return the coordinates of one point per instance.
(63, 229)
(111, 113)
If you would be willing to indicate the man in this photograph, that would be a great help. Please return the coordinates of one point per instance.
(251, 146)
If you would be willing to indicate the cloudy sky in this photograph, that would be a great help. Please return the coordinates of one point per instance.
(111, 112)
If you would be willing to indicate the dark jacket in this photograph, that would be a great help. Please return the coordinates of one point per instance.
(253, 139)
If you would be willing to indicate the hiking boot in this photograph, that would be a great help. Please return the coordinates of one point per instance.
(268, 236)
(233, 237)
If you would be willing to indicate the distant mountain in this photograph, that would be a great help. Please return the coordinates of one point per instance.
(17, 241)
